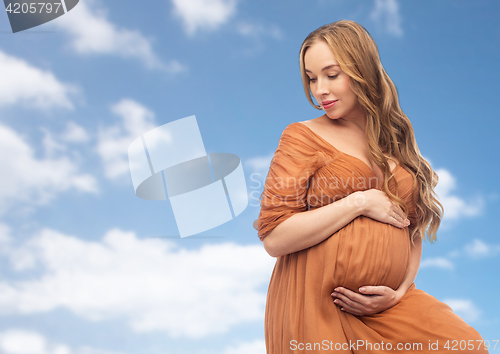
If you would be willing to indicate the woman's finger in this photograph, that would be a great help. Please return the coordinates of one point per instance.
(349, 297)
(347, 301)
(373, 290)
(398, 217)
(347, 292)
(402, 215)
(345, 307)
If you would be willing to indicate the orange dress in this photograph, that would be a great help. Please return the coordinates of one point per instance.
(300, 315)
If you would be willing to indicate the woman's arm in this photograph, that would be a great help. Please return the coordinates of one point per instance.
(308, 228)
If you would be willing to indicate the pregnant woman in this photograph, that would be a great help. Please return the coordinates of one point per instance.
(346, 204)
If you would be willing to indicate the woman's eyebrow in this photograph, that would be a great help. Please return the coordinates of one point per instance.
(325, 68)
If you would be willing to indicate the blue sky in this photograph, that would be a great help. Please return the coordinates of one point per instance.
(86, 267)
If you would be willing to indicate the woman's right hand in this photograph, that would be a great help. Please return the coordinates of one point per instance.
(377, 205)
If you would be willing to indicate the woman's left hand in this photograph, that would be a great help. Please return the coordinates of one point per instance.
(374, 299)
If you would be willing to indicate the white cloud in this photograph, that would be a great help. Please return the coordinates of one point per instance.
(50, 145)
(153, 283)
(258, 346)
(93, 33)
(18, 341)
(260, 167)
(113, 141)
(74, 133)
(5, 238)
(454, 206)
(476, 249)
(438, 262)
(203, 14)
(464, 308)
(260, 163)
(25, 85)
(479, 249)
(386, 15)
(256, 33)
(256, 30)
(29, 180)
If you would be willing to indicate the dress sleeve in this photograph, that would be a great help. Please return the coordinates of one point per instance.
(287, 182)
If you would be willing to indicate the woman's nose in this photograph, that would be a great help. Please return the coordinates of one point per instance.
(321, 88)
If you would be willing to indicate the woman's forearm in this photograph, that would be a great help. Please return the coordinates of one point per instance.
(308, 228)
(415, 256)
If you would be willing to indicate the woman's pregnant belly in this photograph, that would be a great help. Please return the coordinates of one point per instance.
(368, 252)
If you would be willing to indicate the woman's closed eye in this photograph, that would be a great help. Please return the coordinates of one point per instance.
(329, 76)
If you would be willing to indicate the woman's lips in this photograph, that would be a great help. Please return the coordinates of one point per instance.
(328, 104)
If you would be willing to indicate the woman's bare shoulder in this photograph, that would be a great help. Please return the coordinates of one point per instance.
(309, 122)
(298, 127)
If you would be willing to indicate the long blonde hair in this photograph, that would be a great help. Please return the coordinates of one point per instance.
(388, 129)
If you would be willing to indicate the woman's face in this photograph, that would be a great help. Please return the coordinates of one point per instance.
(329, 84)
